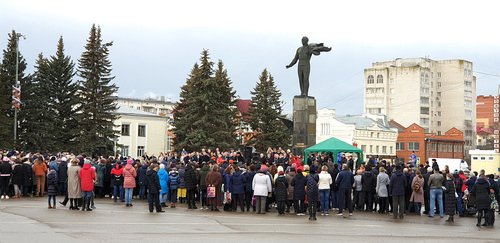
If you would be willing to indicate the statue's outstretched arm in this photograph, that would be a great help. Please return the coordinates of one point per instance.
(295, 59)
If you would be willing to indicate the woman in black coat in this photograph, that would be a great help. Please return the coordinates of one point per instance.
(481, 191)
(281, 192)
(18, 178)
(450, 200)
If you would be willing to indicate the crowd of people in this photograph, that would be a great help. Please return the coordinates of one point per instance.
(277, 179)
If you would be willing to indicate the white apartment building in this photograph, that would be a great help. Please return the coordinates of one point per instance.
(159, 107)
(369, 132)
(437, 95)
(141, 133)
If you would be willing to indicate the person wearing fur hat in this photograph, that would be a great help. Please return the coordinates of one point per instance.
(129, 175)
(261, 186)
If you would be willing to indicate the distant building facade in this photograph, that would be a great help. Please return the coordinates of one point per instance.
(487, 160)
(370, 133)
(140, 133)
(436, 95)
(161, 107)
(414, 138)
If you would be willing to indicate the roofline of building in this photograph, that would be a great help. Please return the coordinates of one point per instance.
(148, 100)
(444, 140)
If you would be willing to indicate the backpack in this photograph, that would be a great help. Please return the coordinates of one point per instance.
(416, 186)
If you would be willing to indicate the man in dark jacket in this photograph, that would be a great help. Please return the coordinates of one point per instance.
(299, 192)
(237, 189)
(142, 181)
(249, 175)
(312, 194)
(427, 190)
(154, 189)
(5, 174)
(369, 183)
(397, 190)
(62, 176)
(334, 188)
(190, 180)
(344, 180)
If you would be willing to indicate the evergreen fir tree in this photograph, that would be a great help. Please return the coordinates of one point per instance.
(265, 113)
(98, 96)
(63, 100)
(205, 115)
(7, 80)
(35, 117)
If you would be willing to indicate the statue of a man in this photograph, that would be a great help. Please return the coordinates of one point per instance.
(303, 55)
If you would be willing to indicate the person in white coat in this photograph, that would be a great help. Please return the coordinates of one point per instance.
(261, 186)
(381, 189)
(325, 180)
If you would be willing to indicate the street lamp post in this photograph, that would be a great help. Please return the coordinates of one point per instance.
(18, 84)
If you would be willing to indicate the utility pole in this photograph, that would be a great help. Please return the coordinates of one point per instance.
(17, 88)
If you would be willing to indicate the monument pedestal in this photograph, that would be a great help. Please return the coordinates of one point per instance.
(304, 123)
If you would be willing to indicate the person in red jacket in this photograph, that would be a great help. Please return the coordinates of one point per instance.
(87, 178)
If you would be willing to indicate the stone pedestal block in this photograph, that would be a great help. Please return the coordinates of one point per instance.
(304, 123)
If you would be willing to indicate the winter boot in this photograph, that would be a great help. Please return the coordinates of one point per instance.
(88, 204)
(84, 206)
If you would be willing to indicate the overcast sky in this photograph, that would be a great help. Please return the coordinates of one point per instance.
(156, 43)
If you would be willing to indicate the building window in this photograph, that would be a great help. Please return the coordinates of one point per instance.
(125, 151)
(474, 158)
(400, 146)
(380, 79)
(483, 158)
(490, 158)
(390, 149)
(140, 151)
(325, 128)
(370, 80)
(125, 129)
(384, 149)
(141, 131)
(439, 123)
(363, 148)
(413, 146)
(376, 149)
(371, 148)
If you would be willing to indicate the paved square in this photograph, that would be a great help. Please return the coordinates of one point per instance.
(29, 220)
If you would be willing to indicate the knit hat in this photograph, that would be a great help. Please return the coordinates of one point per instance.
(231, 161)
(280, 168)
(64, 159)
(281, 173)
(263, 168)
(86, 161)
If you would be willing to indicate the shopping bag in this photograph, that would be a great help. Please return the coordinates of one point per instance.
(210, 191)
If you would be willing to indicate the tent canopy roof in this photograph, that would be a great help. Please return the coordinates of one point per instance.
(335, 146)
